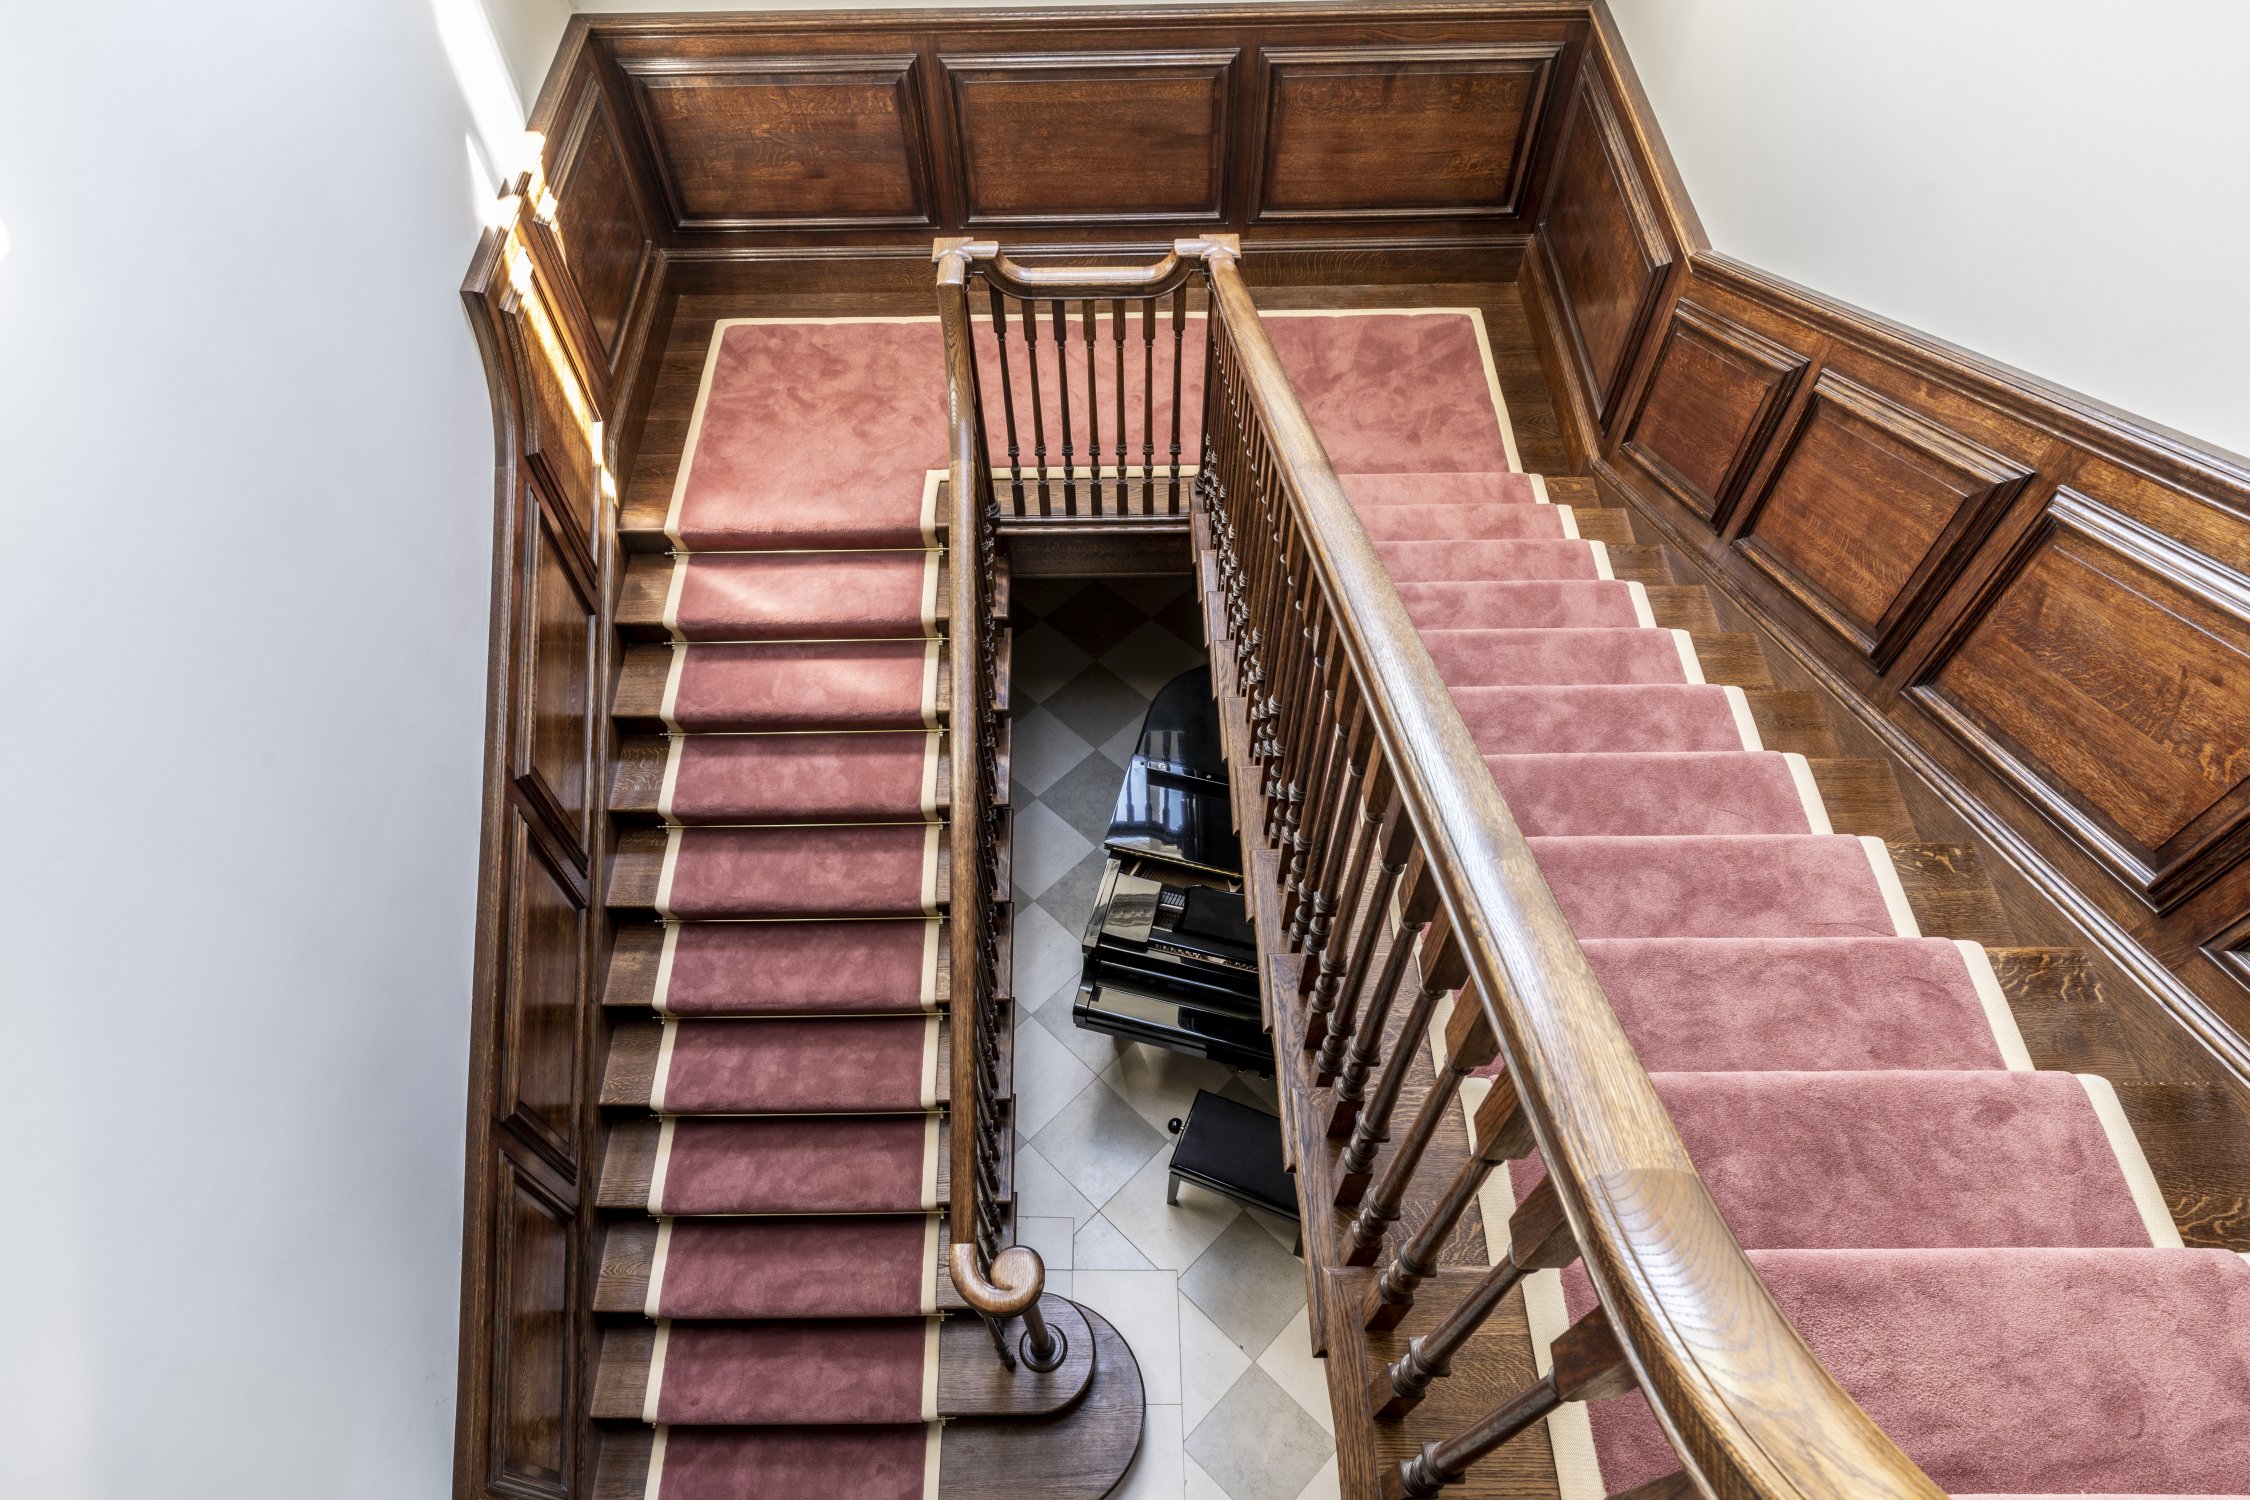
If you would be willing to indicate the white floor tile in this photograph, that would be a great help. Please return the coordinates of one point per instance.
(1042, 749)
(1047, 955)
(1170, 1235)
(1210, 1363)
(1043, 1192)
(1100, 1246)
(1096, 1139)
(1201, 1486)
(1157, 1472)
(1144, 1307)
(1160, 1083)
(1047, 1077)
(1044, 850)
(1324, 1486)
(1289, 1360)
(1049, 1236)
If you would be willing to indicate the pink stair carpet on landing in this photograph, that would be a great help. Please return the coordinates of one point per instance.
(788, 968)
(802, 685)
(823, 1164)
(818, 1372)
(760, 778)
(755, 1463)
(812, 1065)
(783, 596)
(874, 869)
(797, 1268)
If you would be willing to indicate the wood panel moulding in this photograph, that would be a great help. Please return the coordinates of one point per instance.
(601, 225)
(1434, 132)
(798, 142)
(534, 1436)
(1092, 137)
(553, 745)
(1713, 399)
(1868, 512)
(541, 994)
(2105, 672)
(1607, 255)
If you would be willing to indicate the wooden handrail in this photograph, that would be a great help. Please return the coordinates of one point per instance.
(1749, 1408)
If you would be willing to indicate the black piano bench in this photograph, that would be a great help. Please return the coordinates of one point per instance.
(1235, 1151)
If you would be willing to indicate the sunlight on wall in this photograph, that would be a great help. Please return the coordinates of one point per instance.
(3, 239)
(482, 76)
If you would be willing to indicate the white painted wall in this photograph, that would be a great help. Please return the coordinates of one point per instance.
(2059, 185)
(246, 493)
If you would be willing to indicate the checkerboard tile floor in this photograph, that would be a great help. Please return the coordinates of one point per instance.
(1208, 1294)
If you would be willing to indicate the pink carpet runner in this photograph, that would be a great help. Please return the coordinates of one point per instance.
(801, 966)
(1977, 1251)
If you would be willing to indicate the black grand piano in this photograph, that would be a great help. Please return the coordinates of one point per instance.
(1170, 956)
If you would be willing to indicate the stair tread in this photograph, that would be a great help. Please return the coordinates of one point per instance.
(781, 1065)
(2058, 1006)
(1718, 885)
(807, 1283)
(785, 596)
(879, 775)
(782, 686)
(831, 1164)
(1654, 793)
(756, 1372)
(829, 870)
(780, 968)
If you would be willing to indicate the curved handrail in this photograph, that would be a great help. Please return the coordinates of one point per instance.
(1748, 1407)
(1019, 280)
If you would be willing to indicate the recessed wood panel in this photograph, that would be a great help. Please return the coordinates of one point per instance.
(554, 439)
(803, 142)
(598, 220)
(1400, 131)
(1607, 253)
(554, 739)
(2106, 671)
(1712, 401)
(1043, 138)
(533, 1424)
(1864, 512)
(540, 1009)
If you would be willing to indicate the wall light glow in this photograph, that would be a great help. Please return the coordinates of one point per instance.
(3, 240)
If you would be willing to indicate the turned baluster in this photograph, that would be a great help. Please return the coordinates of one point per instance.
(1210, 363)
(1587, 1365)
(1007, 391)
(1117, 341)
(1061, 316)
(1392, 835)
(1179, 334)
(1538, 1240)
(1366, 1047)
(1501, 1132)
(1444, 969)
(1038, 407)
(1360, 801)
(1469, 1045)
(1093, 410)
(1333, 999)
(1338, 760)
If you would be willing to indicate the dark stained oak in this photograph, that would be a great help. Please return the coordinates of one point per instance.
(1713, 397)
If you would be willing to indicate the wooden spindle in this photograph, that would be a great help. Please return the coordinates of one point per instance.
(1500, 1132)
(1393, 839)
(1061, 316)
(1359, 820)
(1366, 1048)
(1179, 333)
(1007, 394)
(1038, 407)
(1444, 969)
(1148, 404)
(1469, 1045)
(1093, 413)
(1117, 338)
(1538, 1240)
(1587, 1365)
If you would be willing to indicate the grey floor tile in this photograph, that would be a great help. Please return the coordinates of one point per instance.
(1046, 849)
(1048, 1078)
(1152, 592)
(1247, 1284)
(1144, 1307)
(1121, 746)
(1043, 749)
(1161, 1083)
(1096, 617)
(1150, 657)
(1096, 1049)
(1070, 899)
(1044, 1192)
(1085, 796)
(1098, 1142)
(1102, 1246)
(1184, 618)
(1044, 659)
(1096, 703)
(1171, 1235)
(1258, 1443)
(1048, 955)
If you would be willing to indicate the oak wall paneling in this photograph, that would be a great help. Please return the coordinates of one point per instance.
(1714, 395)
(606, 234)
(1866, 509)
(1092, 137)
(534, 1436)
(1435, 132)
